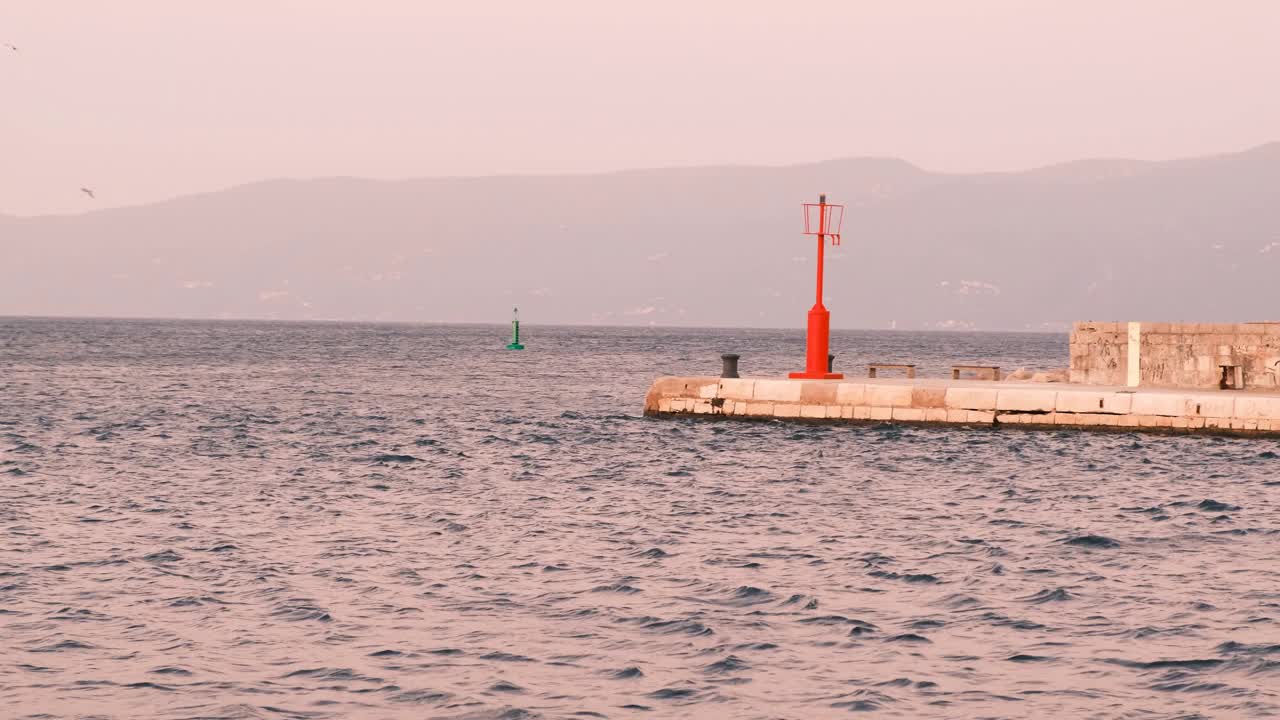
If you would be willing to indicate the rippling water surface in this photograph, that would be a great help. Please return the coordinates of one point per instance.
(252, 520)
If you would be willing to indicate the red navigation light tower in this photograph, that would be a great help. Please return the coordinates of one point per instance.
(822, 220)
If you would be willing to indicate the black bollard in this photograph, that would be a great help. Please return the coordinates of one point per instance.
(831, 362)
(730, 361)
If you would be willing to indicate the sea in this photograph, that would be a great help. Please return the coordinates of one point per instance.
(275, 521)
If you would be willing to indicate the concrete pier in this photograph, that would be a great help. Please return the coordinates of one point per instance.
(970, 402)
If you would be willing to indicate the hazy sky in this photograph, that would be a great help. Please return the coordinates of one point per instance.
(146, 99)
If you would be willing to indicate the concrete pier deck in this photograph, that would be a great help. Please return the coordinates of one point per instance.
(969, 402)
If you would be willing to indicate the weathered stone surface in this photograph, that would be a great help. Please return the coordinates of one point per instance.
(1118, 403)
(881, 413)
(737, 388)
(678, 386)
(1166, 404)
(1206, 405)
(908, 414)
(759, 409)
(818, 392)
(1026, 399)
(1092, 402)
(851, 393)
(786, 410)
(1084, 419)
(928, 397)
(888, 395)
(672, 387)
(813, 411)
(778, 390)
(1257, 407)
(1104, 376)
(966, 398)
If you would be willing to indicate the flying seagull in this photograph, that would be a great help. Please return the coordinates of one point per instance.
(11, 47)
(88, 192)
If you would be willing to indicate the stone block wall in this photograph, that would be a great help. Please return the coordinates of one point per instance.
(1099, 353)
(1181, 355)
(966, 402)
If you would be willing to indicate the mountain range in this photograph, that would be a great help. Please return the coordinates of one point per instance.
(1195, 239)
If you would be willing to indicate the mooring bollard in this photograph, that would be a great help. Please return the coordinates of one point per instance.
(831, 362)
(730, 369)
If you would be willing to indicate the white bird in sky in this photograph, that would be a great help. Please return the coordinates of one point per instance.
(11, 47)
(88, 192)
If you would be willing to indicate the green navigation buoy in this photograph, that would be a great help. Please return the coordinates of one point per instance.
(515, 331)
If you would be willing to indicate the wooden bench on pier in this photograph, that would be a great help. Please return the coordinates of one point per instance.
(873, 367)
(985, 372)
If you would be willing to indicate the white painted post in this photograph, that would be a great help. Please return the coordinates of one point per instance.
(1135, 354)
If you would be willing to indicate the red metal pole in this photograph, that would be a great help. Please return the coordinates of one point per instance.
(822, 225)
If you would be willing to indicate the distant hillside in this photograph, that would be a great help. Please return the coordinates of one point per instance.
(1189, 239)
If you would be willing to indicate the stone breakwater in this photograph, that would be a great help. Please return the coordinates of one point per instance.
(966, 402)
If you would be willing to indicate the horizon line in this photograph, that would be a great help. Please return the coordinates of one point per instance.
(523, 323)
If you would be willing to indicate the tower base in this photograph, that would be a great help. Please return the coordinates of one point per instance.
(817, 361)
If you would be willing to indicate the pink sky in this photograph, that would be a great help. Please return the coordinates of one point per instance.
(147, 99)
